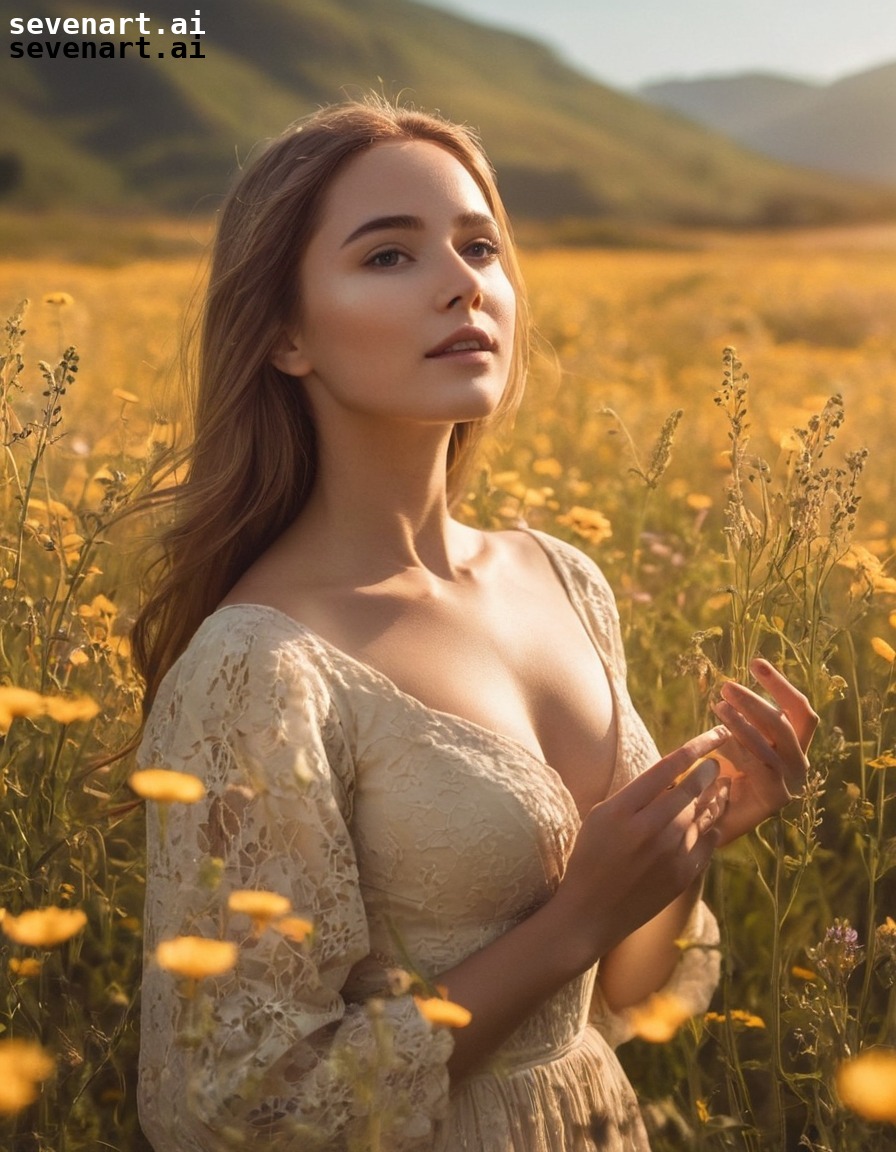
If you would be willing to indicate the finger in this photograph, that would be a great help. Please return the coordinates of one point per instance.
(773, 724)
(752, 738)
(657, 779)
(789, 699)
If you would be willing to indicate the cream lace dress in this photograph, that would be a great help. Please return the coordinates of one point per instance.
(408, 837)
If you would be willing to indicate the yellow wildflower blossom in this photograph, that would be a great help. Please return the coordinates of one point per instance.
(196, 957)
(68, 709)
(44, 927)
(659, 1017)
(28, 967)
(867, 1084)
(260, 906)
(443, 1013)
(293, 927)
(166, 786)
(24, 1064)
(883, 649)
(588, 523)
(18, 702)
(803, 973)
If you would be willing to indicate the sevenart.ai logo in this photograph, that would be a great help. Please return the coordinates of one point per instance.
(107, 37)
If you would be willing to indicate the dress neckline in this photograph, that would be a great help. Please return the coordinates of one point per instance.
(452, 718)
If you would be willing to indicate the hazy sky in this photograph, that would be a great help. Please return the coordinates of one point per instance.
(629, 42)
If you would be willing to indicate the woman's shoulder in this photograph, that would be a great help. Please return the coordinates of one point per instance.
(243, 651)
(576, 570)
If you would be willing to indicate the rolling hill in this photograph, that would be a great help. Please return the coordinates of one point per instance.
(166, 134)
(844, 128)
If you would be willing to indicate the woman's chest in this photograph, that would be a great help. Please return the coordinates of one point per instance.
(513, 667)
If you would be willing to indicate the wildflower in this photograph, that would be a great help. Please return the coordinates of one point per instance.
(737, 1016)
(18, 702)
(28, 967)
(295, 928)
(885, 760)
(883, 649)
(867, 1084)
(68, 709)
(23, 1065)
(44, 927)
(588, 523)
(260, 906)
(548, 466)
(443, 1013)
(803, 973)
(659, 1017)
(702, 1109)
(167, 786)
(839, 952)
(196, 957)
(699, 501)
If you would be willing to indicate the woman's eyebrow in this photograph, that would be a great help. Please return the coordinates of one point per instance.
(415, 223)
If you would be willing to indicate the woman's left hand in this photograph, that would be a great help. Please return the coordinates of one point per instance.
(764, 764)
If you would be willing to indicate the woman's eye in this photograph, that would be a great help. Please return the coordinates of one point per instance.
(484, 250)
(388, 258)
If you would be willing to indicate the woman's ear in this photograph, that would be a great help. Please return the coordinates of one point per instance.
(289, 357)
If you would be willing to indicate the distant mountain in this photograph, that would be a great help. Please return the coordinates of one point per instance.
(166, 133)
(847, 127)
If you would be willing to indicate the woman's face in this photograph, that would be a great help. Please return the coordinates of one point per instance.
(407, 313)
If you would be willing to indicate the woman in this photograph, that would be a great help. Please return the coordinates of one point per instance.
(416, 732)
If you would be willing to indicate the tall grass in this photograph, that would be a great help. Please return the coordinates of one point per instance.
(721, 539)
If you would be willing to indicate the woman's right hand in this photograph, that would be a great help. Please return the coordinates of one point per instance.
(645, 845)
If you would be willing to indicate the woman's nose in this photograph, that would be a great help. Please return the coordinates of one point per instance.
(462, 285)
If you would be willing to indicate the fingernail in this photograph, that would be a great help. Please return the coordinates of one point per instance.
(760, 667)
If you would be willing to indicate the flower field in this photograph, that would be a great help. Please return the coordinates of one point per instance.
(713, 422)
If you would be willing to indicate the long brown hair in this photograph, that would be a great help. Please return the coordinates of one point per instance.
(252, 460)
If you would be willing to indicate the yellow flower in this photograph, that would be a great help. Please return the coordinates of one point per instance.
(23, 1065)
(293, 927)
(443, 1013)
(195, 956)
(44, 927)
(702, 1110)
(883, 649)
(68, 709)
(260, 906)
(659, 1017)
(27, 968)
(588, 523)
(18, 702)
(167, 786)
(699, 501)
(59, 299)
(885, 760)
(867, 1084)
(77, 657)
(737, 1016)
(549, 466)
(803, 973)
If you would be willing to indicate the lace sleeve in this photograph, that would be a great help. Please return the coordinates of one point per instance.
(268, 1054)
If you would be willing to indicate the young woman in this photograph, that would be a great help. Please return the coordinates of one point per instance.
(417, 732)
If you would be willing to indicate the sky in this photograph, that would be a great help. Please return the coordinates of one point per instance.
(626, 43)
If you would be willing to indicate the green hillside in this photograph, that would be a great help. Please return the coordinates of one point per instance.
(166, 134)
